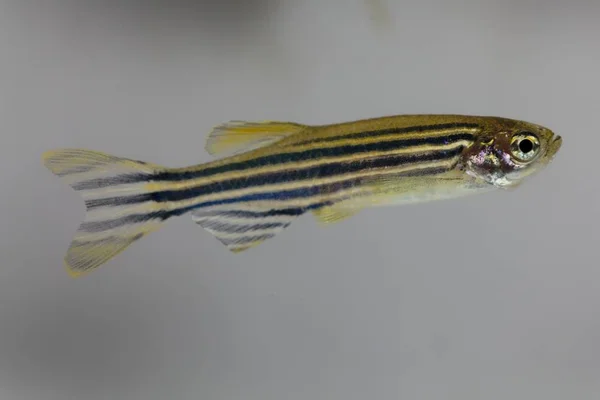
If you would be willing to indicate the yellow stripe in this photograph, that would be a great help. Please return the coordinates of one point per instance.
(300, 202)
(292, 147)
(288, 145)
(163, 186)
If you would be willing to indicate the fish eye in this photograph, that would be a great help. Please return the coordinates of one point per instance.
(524, 146)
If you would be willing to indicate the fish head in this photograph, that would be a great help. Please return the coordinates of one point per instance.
(507, 151)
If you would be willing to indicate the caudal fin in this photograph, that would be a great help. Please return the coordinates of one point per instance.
(119, 208)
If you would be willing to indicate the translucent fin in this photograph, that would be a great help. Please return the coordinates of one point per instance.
(110, 224)
(336, 212)
(242, 228)
(240, 136)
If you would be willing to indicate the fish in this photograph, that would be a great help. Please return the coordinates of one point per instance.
(266, 174)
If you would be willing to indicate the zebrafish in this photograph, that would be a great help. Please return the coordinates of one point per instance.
(270, 173)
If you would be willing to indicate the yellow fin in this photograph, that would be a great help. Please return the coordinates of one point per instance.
(240, 136)
(335, 213)
(375, 191)
(394, 190)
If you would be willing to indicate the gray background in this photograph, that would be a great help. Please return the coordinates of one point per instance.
(489, 297)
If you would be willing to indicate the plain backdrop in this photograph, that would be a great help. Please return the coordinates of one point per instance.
(491, 297)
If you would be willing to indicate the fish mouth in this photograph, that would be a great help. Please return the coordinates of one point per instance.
(557, 138)
(554, 146)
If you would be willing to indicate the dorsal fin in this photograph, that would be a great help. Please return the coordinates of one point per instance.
(240, 136)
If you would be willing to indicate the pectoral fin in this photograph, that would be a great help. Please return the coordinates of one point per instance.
(335, 213)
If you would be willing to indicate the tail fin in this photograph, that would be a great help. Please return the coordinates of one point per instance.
(112, 222)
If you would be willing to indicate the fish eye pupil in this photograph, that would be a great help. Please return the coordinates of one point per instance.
(525, 146)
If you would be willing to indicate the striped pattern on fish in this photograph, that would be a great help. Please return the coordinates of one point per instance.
(246, 198)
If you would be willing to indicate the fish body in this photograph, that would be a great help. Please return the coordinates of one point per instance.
(271, 173)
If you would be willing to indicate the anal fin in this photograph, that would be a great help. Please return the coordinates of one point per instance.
(242, 228)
